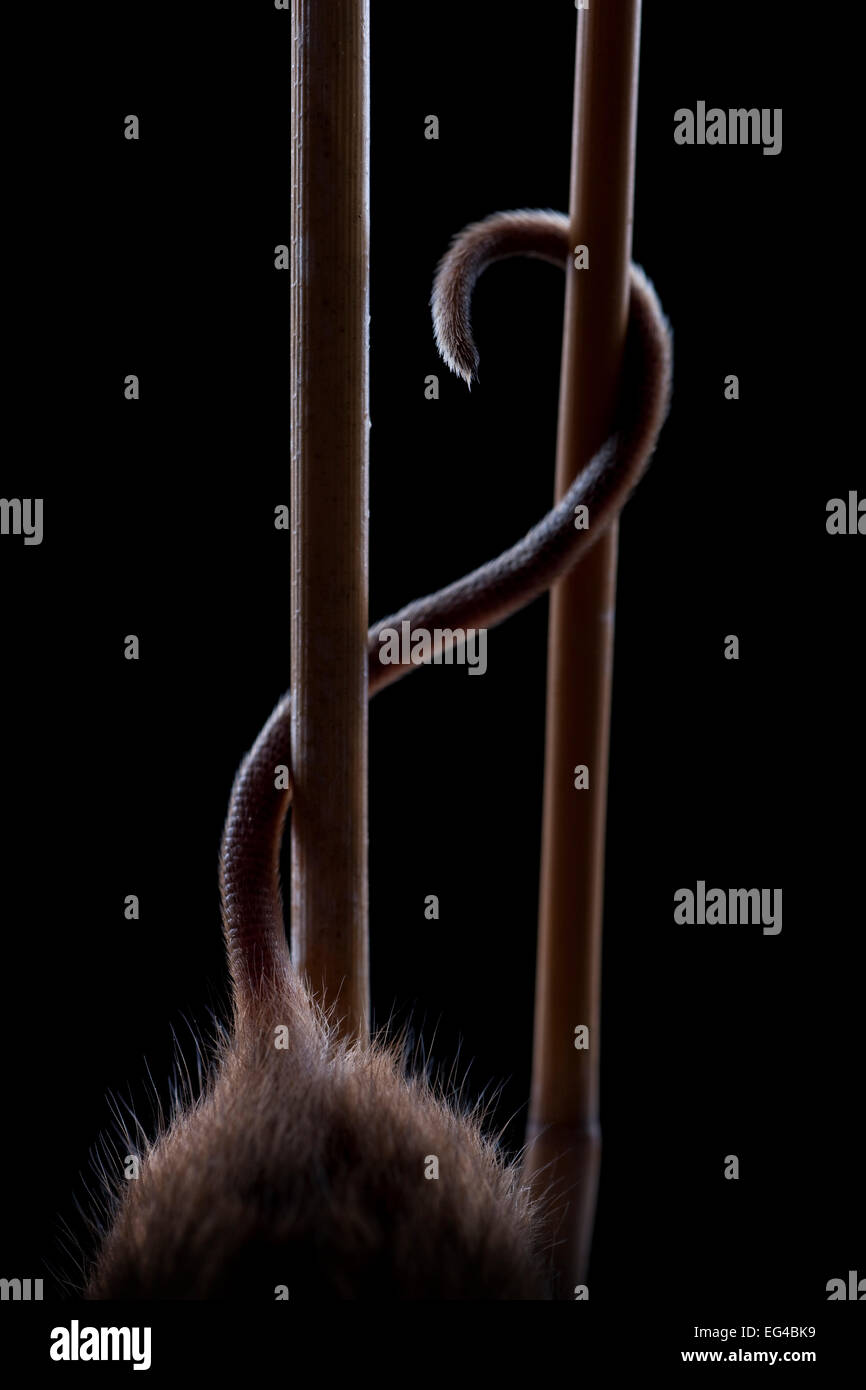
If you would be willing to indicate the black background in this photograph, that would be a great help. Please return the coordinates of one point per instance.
(156, 257)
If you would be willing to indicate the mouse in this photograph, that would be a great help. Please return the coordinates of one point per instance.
(310, 1165)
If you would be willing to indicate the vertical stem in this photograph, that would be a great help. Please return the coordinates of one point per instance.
(563, 1121)
(329, 499)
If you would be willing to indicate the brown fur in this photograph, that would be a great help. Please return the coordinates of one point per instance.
(305, 1167)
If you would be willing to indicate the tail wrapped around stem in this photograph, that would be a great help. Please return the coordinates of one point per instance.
(249, 861)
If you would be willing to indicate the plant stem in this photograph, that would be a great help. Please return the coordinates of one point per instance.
(564, 1102)
(329, 499)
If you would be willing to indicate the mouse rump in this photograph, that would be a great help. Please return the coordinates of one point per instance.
(314, 1168)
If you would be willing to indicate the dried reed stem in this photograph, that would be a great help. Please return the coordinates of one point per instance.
(563, 1121)
(329, 498)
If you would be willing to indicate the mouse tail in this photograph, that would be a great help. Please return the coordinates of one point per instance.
(250, 891)
(250, 860)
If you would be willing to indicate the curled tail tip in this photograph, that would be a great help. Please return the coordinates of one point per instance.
(523, 231)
